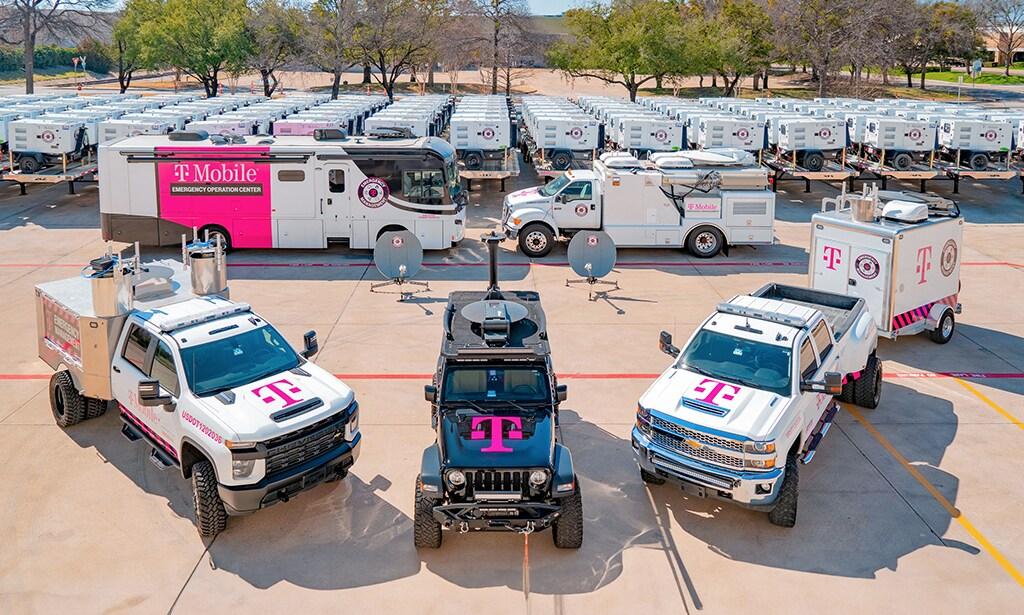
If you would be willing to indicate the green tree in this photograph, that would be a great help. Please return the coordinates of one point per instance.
(739, 41)
(393, 35)
(202, 38)
(126, 46)
(328, 38)
(626, 43)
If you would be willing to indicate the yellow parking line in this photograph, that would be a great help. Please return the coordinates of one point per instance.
(941, 499)
(991, 404)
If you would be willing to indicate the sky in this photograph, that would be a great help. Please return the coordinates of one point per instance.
(553, 7)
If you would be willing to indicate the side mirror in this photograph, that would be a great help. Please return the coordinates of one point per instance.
(430, 393)
(559, 199)
(830, 384)
(309, 345)
(665, 344)
(561, 393)
(150, 395)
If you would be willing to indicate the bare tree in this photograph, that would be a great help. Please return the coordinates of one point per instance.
(275, 27)
(1005, 22)
(393, 35)
(328, 41)
(504, 17)
(23, 21)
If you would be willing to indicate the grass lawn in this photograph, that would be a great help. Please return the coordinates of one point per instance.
(984, 78)
(45, 74)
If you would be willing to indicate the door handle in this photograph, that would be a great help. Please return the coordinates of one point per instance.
(330, 201)
(116, 369)
(321, 207)
(852, 282)
(593, 207)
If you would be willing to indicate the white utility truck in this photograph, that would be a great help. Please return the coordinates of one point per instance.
(898, 251)
(704, 201)
(210, 385)
(751, 395)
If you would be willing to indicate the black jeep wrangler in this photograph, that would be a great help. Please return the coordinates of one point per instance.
(498, 462)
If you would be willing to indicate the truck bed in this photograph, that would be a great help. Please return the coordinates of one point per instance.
(841, 311)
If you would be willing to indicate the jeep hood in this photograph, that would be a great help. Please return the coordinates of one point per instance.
(477, 446)
(251, 415)
(717, 404)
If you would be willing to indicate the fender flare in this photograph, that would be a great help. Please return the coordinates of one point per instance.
(935, 314)
(563, 471)
(530, 215)
(430, 470)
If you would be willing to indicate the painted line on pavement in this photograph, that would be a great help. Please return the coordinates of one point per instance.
(991, 404)
(951, 510)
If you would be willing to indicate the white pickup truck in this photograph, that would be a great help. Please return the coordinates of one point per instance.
(751, 395)
(209, 385)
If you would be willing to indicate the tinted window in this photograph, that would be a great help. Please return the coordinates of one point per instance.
(734, 359)
(163, 369)
(823, 340)
(234, 361)
(291, 176)
(423, 187)
(336, 180)
(577, 191)
(808, 362)
(136, 346)
(518, 384)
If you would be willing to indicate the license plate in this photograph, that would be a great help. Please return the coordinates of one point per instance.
(313, 477)
(696, 490)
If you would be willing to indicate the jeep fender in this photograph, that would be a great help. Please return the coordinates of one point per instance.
(564, 472)
(430, 471)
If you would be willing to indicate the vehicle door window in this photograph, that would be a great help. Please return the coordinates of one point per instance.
(576, 191)
(423, 186)
(823, 340)
(336, 180)
(136, 347)
(163, 369)
(808, 360)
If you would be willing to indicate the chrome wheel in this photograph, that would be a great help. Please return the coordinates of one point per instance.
(947, 327)
(536, 241)
(706, 242)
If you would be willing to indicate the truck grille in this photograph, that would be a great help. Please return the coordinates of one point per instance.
(511, 481)
(700, 436)
(301, 445)
(705, 453)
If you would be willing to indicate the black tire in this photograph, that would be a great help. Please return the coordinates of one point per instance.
(211, 518)
(94, 408)
(66, 403)
(867, 390)
(705, 242)
(29, 165)
(214, 230)
(784, 512)
(814, 161)
(943, 332)
(978, 162)
(536, 240)
(567, 530)
(426, 530)
(561, 161)
(847, 395)
(473, 161)
(651, 479)
(902, 161)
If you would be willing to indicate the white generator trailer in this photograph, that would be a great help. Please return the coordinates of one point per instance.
(810, 141)
(900, 252)
(564, 139)
(37, 143)
(728, 131)
(112, 130)
(643, 135)
(218, 125)
(480, 136)
(975, 143)
(303, 126)
(704, 201)
(899, 142)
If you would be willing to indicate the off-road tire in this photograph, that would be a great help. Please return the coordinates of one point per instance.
(66, 403)
(867, 390)
(784, 512)
(426, 530)
(211, 518)
(847, 395)
(94, 408)
(939, 334)
(705, 242)
(536, 240)
(650, 478)
(978, 162)
(567, 530)
(902, 161)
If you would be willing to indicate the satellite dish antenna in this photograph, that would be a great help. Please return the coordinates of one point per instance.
(398, 256)
(592, 256)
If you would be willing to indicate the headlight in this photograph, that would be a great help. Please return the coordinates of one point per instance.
(239, 444)
(456, 478)
(242, 468)
(643, 419)
(760, 463)
(538, 478)
(759, 448)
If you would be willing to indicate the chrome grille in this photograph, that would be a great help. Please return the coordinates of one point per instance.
(683, 432)
(705, 453)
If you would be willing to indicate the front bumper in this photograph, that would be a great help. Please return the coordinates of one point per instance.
(245, 499)
(707, 480)
(497, 516)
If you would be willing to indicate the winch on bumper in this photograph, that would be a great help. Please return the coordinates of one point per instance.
(496, 515)
(755, 490)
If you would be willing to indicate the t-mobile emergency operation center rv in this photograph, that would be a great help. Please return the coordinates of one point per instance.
(280, 192)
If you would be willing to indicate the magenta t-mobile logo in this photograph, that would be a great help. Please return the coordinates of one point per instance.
(279, 390)
(833, 257)
(716, 389)
(515, 432)
(924, 263)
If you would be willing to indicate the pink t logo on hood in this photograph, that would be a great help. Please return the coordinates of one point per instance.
(515, 432)
(279, 390)
(714, 389)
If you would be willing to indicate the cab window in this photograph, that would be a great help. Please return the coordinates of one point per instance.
(163, 369)
(808, 361)
(823, 340)
(336, 180)
(425, 187)
(576, 191)
(136, 347)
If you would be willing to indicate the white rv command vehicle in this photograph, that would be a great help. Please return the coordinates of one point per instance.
(900, 252)
(208, 384)
(280, 192)
(750, 396)
(701, 200)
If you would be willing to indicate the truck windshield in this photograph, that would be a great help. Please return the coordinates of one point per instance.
(236, 361)
(554, 187)
(496, 384)
(734, 359)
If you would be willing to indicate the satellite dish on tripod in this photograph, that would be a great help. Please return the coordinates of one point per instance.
(592, 256)
(398, 256)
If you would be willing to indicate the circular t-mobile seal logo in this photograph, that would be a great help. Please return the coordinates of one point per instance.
(48, 136)
(592, 240)
(581, 210)
(661, 136)
(991, 135)
(867, 266)
(488, 133)
(372, 192)
(742, 133)
(947, 262)
(825, 133)
(914, 134)
(397, 242)
(576, 132)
